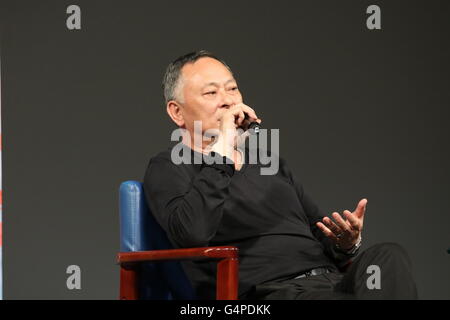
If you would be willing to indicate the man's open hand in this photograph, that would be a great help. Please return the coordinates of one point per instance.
(345, 233)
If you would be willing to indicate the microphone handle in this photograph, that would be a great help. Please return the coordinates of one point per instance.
(253, 127)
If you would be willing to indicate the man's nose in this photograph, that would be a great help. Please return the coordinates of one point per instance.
(227, 100)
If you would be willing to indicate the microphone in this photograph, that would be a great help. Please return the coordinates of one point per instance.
(254, 127)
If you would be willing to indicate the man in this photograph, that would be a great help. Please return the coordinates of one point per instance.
(288, 249)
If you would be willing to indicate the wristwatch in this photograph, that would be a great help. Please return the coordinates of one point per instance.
(353, 249)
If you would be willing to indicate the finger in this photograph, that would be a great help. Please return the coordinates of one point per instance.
(354, 222)
(340, 222)
(327, 231)
(346, 220)
(361, 208)
(239, 117)
(242, 137)
(234, 113)
(251, 114)
(331, 225)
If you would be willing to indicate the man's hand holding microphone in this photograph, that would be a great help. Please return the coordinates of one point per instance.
(228, 137)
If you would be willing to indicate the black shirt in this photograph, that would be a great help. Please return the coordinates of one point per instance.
(269, 218)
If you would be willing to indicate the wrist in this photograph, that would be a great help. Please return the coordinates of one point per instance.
(222, 148)
(353, 249)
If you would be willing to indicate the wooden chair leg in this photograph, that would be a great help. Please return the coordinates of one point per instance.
(227, 279)
(128, 284)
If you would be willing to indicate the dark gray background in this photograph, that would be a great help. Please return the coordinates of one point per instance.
(361, 114)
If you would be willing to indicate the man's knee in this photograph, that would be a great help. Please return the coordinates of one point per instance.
(391, 250)
(389, 247)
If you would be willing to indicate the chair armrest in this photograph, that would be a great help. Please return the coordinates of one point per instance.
(222, 252)
(227, 267)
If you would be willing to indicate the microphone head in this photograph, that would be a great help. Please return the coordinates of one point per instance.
(254, 127)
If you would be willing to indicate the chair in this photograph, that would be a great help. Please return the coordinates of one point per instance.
(150, 266)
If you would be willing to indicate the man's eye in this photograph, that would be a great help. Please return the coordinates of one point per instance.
(234, 88)
(211, 92)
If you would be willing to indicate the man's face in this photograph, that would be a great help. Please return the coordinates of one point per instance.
(208, 88)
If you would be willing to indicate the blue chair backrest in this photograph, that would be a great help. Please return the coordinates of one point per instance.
(139, 231)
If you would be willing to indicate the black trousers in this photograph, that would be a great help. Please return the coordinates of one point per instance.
(382, 271)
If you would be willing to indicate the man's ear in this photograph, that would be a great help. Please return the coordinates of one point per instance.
(174, 111)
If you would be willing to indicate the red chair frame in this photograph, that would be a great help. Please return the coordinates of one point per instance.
(227, 268)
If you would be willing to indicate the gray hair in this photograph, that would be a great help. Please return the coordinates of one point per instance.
(172, 78)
